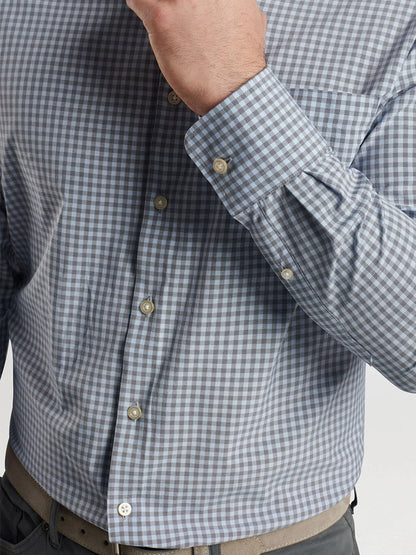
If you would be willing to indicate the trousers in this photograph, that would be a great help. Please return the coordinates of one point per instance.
(23, 532)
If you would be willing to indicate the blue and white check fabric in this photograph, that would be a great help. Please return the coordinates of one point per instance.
(250, 378)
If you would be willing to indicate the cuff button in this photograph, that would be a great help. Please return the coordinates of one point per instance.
(220, 165)
(287, 274)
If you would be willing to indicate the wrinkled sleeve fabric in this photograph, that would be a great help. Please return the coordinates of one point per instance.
(6, 282)
(347, 231)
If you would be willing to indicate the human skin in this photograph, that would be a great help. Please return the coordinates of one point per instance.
(206, 49)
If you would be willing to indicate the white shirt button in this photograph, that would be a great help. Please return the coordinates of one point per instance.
(220, 165)
(147, 307)
(287, 273)
(124, 509)
(134, 412)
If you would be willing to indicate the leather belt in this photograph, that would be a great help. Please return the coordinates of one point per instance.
(96, 539)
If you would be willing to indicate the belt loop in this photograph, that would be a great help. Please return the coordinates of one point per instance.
(54, 537)
(116, 548)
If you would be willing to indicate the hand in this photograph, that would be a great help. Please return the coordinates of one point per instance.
(206, 49)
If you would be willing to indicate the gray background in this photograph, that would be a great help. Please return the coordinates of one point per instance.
(385, 517)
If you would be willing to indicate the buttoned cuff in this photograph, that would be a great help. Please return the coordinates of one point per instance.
(263, 135)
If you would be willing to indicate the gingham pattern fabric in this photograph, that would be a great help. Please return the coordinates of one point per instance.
(251, 385)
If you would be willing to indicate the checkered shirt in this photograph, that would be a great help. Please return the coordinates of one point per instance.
(271, 285)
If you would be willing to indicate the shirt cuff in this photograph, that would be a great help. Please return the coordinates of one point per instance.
(264, 136)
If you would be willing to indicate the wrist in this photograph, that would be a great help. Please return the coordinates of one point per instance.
(217, 98)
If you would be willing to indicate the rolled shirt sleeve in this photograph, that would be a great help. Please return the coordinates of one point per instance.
(344, 250)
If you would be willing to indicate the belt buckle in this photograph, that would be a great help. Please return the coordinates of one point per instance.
(116, 547)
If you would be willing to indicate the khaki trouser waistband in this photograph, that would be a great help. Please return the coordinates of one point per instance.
(96, 539)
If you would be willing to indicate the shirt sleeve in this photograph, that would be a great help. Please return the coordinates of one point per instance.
(6, 282)
(340, 236)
